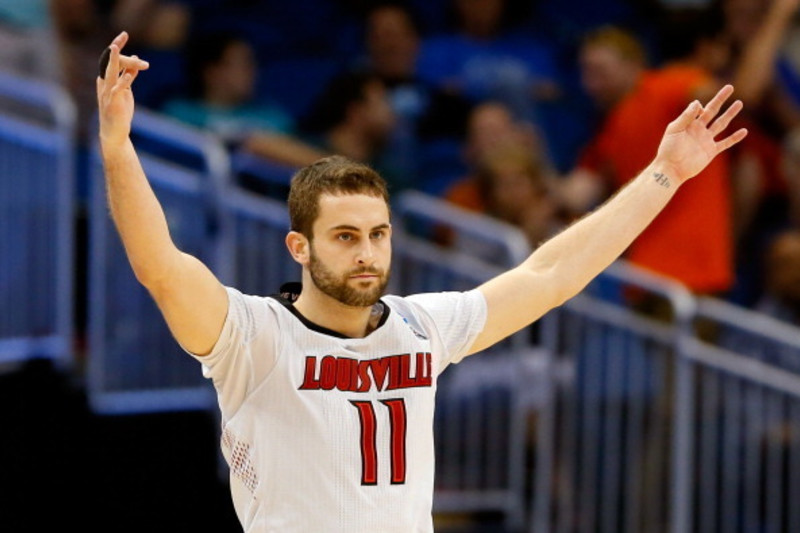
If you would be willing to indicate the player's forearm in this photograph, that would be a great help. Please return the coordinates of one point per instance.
(756, 67)
(570, 260)
(138, 215)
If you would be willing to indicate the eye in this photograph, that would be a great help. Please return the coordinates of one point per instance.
(345, 237)
(380, 234)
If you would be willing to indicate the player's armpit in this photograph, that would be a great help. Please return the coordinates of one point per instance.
(514, 300)
(194, 304)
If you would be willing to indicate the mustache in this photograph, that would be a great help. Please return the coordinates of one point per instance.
(365, 270)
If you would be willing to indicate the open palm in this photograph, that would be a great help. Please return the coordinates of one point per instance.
(689, 142)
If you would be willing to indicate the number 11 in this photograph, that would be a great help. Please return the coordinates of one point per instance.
(369, 450)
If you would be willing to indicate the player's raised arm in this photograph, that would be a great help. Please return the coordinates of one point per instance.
(193, 301)
(564, 265)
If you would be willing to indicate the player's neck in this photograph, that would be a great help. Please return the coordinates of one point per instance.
(332, 314)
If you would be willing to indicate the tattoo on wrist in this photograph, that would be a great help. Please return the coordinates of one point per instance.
(662, 179)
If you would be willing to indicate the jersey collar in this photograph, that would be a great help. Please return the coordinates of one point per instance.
(290, 291)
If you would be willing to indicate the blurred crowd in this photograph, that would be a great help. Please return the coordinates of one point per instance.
(533, 112)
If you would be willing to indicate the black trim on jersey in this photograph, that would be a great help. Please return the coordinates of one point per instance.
(290, 291)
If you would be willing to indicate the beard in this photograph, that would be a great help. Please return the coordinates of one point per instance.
(338, 288)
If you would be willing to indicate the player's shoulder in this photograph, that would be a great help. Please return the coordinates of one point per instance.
(412, 301)
(255, 310)
(239, 297)
(446, 301)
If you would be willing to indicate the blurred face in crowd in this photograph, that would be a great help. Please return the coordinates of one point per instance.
(168, 25)
(512, 179)
(232, 79)
(490, 125)
(606, 74)
(480, 18)
(375, 112)
(513, 190)
(713, 53)
(392, 43)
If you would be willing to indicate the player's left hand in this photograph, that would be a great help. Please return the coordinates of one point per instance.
(114, 97)
(690, 141)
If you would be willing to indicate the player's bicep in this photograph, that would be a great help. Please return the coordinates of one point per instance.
(194, 304)
(514, 300)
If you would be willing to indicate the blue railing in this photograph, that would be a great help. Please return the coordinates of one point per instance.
(37, 221)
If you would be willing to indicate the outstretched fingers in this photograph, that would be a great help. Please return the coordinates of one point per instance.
(117, 64)
(686, 117)
(121, 39)
(113, 68)
(730, 140)
(711, 109)
(117, 72)
(125, 81)
(723, 121)
(719, 125)
(132, 63)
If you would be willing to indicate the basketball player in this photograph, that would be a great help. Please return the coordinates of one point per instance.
(327, 391)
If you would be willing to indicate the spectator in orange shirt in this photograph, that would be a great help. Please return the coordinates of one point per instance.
(747, 49)
(696, 228)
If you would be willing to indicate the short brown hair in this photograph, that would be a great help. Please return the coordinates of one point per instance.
(330, 175)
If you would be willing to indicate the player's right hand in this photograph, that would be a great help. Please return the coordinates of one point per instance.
(114, 95)
(690, 141)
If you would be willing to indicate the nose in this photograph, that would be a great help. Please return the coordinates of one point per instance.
(366, 253)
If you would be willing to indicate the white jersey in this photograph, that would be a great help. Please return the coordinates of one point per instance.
(325, 433)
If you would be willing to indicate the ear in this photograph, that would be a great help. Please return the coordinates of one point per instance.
(298, 246)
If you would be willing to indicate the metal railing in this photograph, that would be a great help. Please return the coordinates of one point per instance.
(739, 460)
(480, 422)
(37, 221)
(666, 413)
(602, 455)
(255, 228)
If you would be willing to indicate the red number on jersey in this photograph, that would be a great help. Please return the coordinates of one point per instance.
(369, 450)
